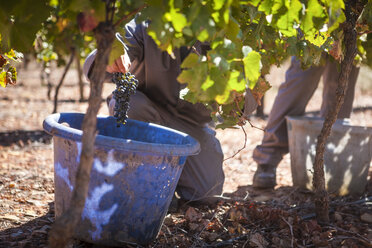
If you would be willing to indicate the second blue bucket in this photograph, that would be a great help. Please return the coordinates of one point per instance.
(134, 175)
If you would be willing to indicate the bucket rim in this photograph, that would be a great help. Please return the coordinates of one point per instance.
(345, 123)
(54, 128)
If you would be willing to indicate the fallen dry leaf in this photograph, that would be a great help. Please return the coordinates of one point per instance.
(366, 217)
(258, 240)
(192, 215)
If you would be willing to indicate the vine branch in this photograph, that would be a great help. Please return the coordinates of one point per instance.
(245, 144)
(126, 17)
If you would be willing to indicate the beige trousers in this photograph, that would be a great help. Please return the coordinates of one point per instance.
(202, 176)
(293, 96)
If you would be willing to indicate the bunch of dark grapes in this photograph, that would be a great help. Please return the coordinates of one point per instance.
(126, 85)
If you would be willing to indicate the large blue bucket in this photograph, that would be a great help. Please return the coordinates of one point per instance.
(134, 175)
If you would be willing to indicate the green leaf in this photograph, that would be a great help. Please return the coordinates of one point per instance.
(207, 83)
(117, 50)
(336, 13)
(309, 25)
(218, 4)
(254, 2)
(252, 67)
(266, 6)
(232, 29)
(190, 61)
(227, 123)
(19, 22)
(186, 76)
(270, 6)
(287, 20)
(203, 35)
(178, 20)
(236, 82)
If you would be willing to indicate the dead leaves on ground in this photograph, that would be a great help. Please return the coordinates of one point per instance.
(249, 224)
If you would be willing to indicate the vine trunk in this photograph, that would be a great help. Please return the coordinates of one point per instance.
(353, 10)
(64, 226)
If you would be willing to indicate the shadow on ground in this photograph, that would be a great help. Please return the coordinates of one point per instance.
(31, 234)
(22, 137)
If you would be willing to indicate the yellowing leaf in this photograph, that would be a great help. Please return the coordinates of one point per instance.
(318, 38)
(207, 83)
(218, 4)
(61, 24)
(179, 21)
(233, 84)
(252, 67)
(203, 35)
(3, 79)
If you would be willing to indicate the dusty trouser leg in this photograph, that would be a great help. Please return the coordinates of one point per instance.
(202, 176)
(330, 81)
(292, 98)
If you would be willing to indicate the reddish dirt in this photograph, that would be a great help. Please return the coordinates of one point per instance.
(247, 218)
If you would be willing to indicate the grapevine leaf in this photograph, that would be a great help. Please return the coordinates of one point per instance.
(178, 20)
(194, 77)
(254, 2)
(3, 79)
(232, 29)
(260, 89)
(266, 6)
(270, 6)
(185, 76)
(287, 21)
(207, 83)
(227, 123)
(235, 83)
(20, 21)
(252, 67)
(203, 35)
(14, 55)
(318, 38)
(218, 4)
(309, 26)
(190, 61)
(336, 14)
(117, 50)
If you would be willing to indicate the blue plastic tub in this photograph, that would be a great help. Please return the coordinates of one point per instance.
(134, 175)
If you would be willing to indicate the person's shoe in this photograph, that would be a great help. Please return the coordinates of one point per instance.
(264, 177)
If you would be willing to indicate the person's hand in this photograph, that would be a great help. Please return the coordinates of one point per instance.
(121, 64)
